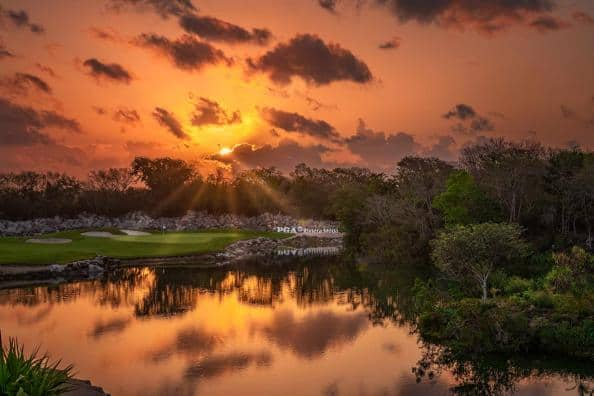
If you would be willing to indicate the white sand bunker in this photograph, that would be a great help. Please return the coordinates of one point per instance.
(135, 233)
(49, 241)
(98, 234)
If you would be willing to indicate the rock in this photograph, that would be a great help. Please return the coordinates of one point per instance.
(139, 221)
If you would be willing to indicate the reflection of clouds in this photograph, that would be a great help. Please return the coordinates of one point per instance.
(34, 317)
(315, 333)
(391, 348)
(112, 326)
(189, 342)
(217, 365)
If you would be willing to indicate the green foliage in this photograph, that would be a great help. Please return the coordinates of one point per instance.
(474, 252)
(463, 201)
(517, 285)
(22, 375)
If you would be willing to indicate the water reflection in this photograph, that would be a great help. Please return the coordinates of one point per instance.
(312, 326)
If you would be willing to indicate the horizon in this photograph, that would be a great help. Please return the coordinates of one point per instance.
(257, 84)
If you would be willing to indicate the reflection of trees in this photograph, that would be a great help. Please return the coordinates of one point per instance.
(494, 375)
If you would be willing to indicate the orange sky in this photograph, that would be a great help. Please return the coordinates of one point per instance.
(522, 71)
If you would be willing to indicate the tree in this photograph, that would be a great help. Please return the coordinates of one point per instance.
(112, 179)
(473, 252)
(162, 175)
(464, 202)
(511, 172)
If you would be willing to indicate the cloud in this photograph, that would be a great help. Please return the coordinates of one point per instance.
(307, 56)
(126, 115)
(470, 122)
(582, 17)
(548, 23)
(47, 70)
(106, 34)
(4, 52)
(328, 5)
(484, 16)
(24, 126)
(21, 19)
(210, 28)
(444, 148)
(168, 120)
(294, 122)
(571, 115)
(21, 83)
(109, 71)
(209, 112)
(393, 43)
(164, 8)
(461, 112)
(113, 326)
(381, 150)
(285, 156)
(187, 53)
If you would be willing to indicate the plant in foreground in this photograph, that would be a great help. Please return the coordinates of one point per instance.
(22, 375)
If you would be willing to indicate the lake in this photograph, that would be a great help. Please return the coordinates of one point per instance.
(304, 326)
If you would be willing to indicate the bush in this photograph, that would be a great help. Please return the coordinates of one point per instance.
(517, 285)
(30, 376)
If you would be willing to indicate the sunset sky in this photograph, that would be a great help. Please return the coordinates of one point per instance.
(91, 84)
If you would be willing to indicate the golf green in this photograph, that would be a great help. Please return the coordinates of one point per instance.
(16, 250)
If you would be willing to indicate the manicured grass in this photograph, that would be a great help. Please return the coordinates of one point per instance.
(17, 251)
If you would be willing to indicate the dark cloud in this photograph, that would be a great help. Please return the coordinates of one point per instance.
(21, 83)
(328, 5)
(126, 115)
(380, 150)
(164, 8)
(461, 112)
(190, 342)
(470, 122)
(315, 333)
(548, 23)
(21, 20)
(100, 110)
(4, 52)
(33, 80)
(209, 112)
(294, 122)
(485, 16)
(47, 70)
(309, 57)
(481, 124)
(110, 71)
(168, 120)
(210, 28)
(582, 17)
(24, 126)
(390, 44)
(186, 53)
(285, 156)
(105, 34)
(444, 148)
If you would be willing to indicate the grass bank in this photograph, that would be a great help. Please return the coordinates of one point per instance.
(16, 251)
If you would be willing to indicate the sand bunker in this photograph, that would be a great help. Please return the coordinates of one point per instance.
(135, 233)
(98, 234)
(49, 241)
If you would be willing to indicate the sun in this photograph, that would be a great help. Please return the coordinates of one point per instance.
(225, 151)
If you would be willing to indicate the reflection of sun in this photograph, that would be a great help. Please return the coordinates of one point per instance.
(225, 151)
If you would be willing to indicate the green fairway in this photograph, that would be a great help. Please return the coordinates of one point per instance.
(17, 251)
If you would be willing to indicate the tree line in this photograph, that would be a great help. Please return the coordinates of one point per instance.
(549, 192)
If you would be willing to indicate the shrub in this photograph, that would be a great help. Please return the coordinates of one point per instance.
(23, 375)
(517, 285)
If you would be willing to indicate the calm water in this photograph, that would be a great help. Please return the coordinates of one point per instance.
(311, 328)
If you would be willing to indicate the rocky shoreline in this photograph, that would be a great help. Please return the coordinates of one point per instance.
(140, 221)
